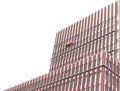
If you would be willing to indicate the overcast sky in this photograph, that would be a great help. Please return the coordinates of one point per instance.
(27, 34)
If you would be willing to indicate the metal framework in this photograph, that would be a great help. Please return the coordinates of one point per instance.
(86, 56)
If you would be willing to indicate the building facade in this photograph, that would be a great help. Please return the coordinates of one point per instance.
(86, 56)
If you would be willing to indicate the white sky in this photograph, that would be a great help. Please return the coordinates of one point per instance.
(27, 34)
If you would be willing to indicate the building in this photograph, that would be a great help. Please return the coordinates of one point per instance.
(86, 56)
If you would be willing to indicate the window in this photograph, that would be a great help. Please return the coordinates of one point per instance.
(89, 89)
(71, 72)
(87, 66)
(99, 87)
(58, 88)
(95, 77)
(95, 89)
(78, 68)
(77, 82)
(84, 80)
(73, 83)
(74, 70)
(94, 63)
(69, 85)
(63, 74)
(51, 88)
(99, 76)
(81, 80)
(61, 87)
(65, 86)
(82, 67)
(91, 64)
(67, 73)
(90, 78)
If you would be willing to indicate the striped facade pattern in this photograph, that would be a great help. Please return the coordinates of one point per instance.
(91, 35)
(90, 63)
(94, 73)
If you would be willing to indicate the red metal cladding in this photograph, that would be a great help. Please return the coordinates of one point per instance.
(89, 64)
(98, 31)
(89, 78)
